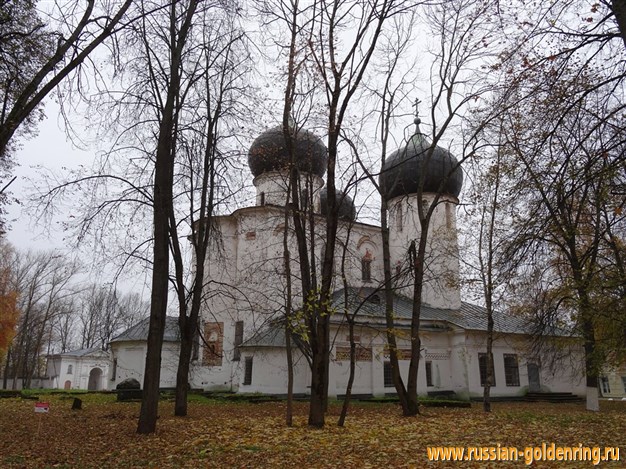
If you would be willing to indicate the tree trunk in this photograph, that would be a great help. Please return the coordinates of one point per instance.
(417, 257)
(162, 206)
(318, 375)
(346, 400)
(618, 7)
(158, 306)
(289, 411)
(164, 165)
(184, 359)
(591, 360)
(5, 376)
(389, 314)
(489, 374)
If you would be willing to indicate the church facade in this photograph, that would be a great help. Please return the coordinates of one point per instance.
(242, 341)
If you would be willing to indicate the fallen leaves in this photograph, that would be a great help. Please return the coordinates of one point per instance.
(240, 435)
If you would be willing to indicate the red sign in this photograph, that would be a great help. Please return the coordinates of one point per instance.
(42, 407)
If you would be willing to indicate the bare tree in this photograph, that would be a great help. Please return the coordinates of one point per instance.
(105, 312)
(44, 283)
(37, 55)
(564, 174)
(217, 88)
(178, 20)
(341, 68)
(463, 31)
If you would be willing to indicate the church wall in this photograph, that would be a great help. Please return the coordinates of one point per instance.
(272, 187)
(441, 288)
(269, 372)
(564, 377)
(252, 287)
(131, 362)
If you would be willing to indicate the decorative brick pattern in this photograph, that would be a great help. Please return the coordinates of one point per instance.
(213, 344)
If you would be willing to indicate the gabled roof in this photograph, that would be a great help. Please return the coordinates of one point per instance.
(470, 317)
(85, 352)
(140, 331)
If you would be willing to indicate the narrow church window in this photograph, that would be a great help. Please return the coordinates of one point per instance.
(399, 220)
(511, 369)
(429, 374)
(213, 344)
(482, 364)
(387, 375)
(366, 270)
(448, 215)
(262, 198)
(604, 385)
(247, 377)
(114, 373)
(69, 369)
(238, 340)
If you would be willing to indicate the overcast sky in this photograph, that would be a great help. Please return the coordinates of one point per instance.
(51, 150)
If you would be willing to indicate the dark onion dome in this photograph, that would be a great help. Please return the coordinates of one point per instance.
(269, 152)
(404, 167)
(346, 205)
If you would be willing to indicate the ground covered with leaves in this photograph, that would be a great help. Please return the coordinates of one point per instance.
(220, 434)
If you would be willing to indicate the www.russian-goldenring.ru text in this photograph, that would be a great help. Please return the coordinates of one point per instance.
(546, 452)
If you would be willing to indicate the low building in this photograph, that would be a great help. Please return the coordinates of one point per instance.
(79, 369)
(613, 382)
(128, 351)
(453, 358)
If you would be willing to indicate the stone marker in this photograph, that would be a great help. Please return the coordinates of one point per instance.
(128, 390)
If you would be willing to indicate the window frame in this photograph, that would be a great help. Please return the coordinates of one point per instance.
(482, 369)
(366, 270)
(428, 367)
(238, 341)
(605, 387)
(387, 375)
(247, 372)
(511, 373)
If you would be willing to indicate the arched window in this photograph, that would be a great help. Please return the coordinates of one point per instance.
(69, 369)
(366, 266)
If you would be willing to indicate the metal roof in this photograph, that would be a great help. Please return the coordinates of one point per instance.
(272, 335)
(371, 302)
(140, 331)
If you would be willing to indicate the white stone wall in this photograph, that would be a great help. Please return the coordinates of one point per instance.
(57, 372)
(441, 278)
(131, 362)
(272, 188)
(564, 377)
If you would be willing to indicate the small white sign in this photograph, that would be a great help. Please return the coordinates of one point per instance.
(42, 407)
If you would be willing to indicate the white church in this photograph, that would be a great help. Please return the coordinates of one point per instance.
(241, 346)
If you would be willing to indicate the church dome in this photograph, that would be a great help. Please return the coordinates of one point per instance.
(269, 152)
(404, 168)
(347, 211)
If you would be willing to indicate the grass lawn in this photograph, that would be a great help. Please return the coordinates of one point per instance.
(219, 434)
